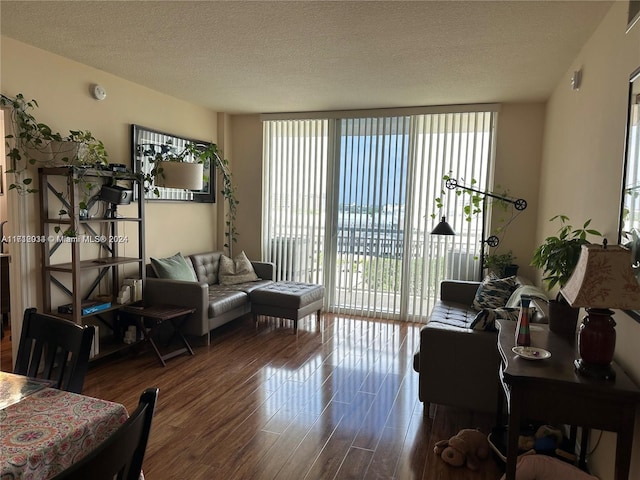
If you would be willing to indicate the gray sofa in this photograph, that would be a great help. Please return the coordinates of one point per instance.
(457, 365)
(215, 304)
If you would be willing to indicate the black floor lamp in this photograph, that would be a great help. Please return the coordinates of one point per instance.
(443, 228)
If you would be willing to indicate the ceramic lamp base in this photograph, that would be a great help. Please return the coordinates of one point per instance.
(594, 371)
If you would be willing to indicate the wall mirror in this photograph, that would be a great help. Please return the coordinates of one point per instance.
(146, 143)
(634, 14)
(629, 235)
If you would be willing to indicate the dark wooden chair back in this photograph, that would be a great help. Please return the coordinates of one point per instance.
(54, 349)
(120, 456)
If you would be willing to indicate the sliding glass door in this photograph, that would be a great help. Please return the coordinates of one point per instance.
(350, 202)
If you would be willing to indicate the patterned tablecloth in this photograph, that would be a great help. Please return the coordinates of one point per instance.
(47, 431)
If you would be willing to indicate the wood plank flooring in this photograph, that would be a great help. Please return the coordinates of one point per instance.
(337, 400)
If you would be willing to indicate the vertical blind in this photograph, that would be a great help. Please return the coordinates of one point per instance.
(350, 203)
(296, 170)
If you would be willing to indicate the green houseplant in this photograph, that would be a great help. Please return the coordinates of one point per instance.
(35, 143)
(501, 264)
(558, 256)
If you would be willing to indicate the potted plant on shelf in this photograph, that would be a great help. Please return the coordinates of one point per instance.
(557, 257)
(35, 143)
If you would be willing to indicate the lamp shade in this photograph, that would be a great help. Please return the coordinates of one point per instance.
(603, 278)
(443, 228)
(184, 175)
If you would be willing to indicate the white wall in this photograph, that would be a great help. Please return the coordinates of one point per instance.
(583, 165)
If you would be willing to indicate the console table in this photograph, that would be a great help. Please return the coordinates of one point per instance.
(550, 390)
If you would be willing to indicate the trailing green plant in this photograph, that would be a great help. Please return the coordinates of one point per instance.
(558, 255)
(473, 205)
(35, 143)
(206, 154)
(229, 193)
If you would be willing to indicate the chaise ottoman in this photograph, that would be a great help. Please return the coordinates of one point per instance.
(291, 300)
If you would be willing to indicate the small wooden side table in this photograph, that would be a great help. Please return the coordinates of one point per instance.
(550, 390)
(149, 318)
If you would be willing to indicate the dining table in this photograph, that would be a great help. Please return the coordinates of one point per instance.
(43, 430)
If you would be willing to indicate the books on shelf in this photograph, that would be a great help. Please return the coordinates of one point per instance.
(88, 307)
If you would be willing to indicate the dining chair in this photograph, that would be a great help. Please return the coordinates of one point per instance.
(120, 456)
(54, 349)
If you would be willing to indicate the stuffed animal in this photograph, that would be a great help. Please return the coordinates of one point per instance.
(547, 440)
(468, 447)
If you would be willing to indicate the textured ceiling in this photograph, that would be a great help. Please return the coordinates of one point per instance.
(276, 56)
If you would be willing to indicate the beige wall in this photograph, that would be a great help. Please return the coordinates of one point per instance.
(246, 141)
(582, 169)
(61, 88)
(517, 169)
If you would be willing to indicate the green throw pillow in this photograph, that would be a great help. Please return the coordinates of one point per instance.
(173, 268)
(494, 292)
(238, 270)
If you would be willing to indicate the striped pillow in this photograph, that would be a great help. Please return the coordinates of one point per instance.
(494, 292)
(486, 318)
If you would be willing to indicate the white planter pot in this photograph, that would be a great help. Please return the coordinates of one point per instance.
(59, 153)
(184, 175)
(67, 153)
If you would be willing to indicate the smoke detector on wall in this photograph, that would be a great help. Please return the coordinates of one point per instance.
(98, 92)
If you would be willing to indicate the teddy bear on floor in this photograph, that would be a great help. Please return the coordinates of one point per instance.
(468, 447)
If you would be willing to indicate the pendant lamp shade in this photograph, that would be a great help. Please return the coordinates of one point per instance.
(443, 228)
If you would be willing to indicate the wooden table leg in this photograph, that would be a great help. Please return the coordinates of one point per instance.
(584, 447)
(513, 434)
(147, 335)
(501, 400)
(177, 323)
(624, 444)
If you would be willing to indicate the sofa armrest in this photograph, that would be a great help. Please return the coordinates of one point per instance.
(458, 291)
(182, 293)
(265, 270)
(458, 367)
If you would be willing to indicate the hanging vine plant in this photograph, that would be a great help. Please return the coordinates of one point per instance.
(228, 192)
(35, 143)
(199, 153)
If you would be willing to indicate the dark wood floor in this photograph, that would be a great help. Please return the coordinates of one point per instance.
(336, 401)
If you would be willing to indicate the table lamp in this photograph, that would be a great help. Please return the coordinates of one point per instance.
(602, 280)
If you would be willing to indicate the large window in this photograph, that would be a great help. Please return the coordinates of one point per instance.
(349, 202)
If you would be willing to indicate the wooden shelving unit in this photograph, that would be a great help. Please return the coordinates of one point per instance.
(81, 261)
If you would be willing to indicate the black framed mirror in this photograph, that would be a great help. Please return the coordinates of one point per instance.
(146, 143)
(629, 234)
